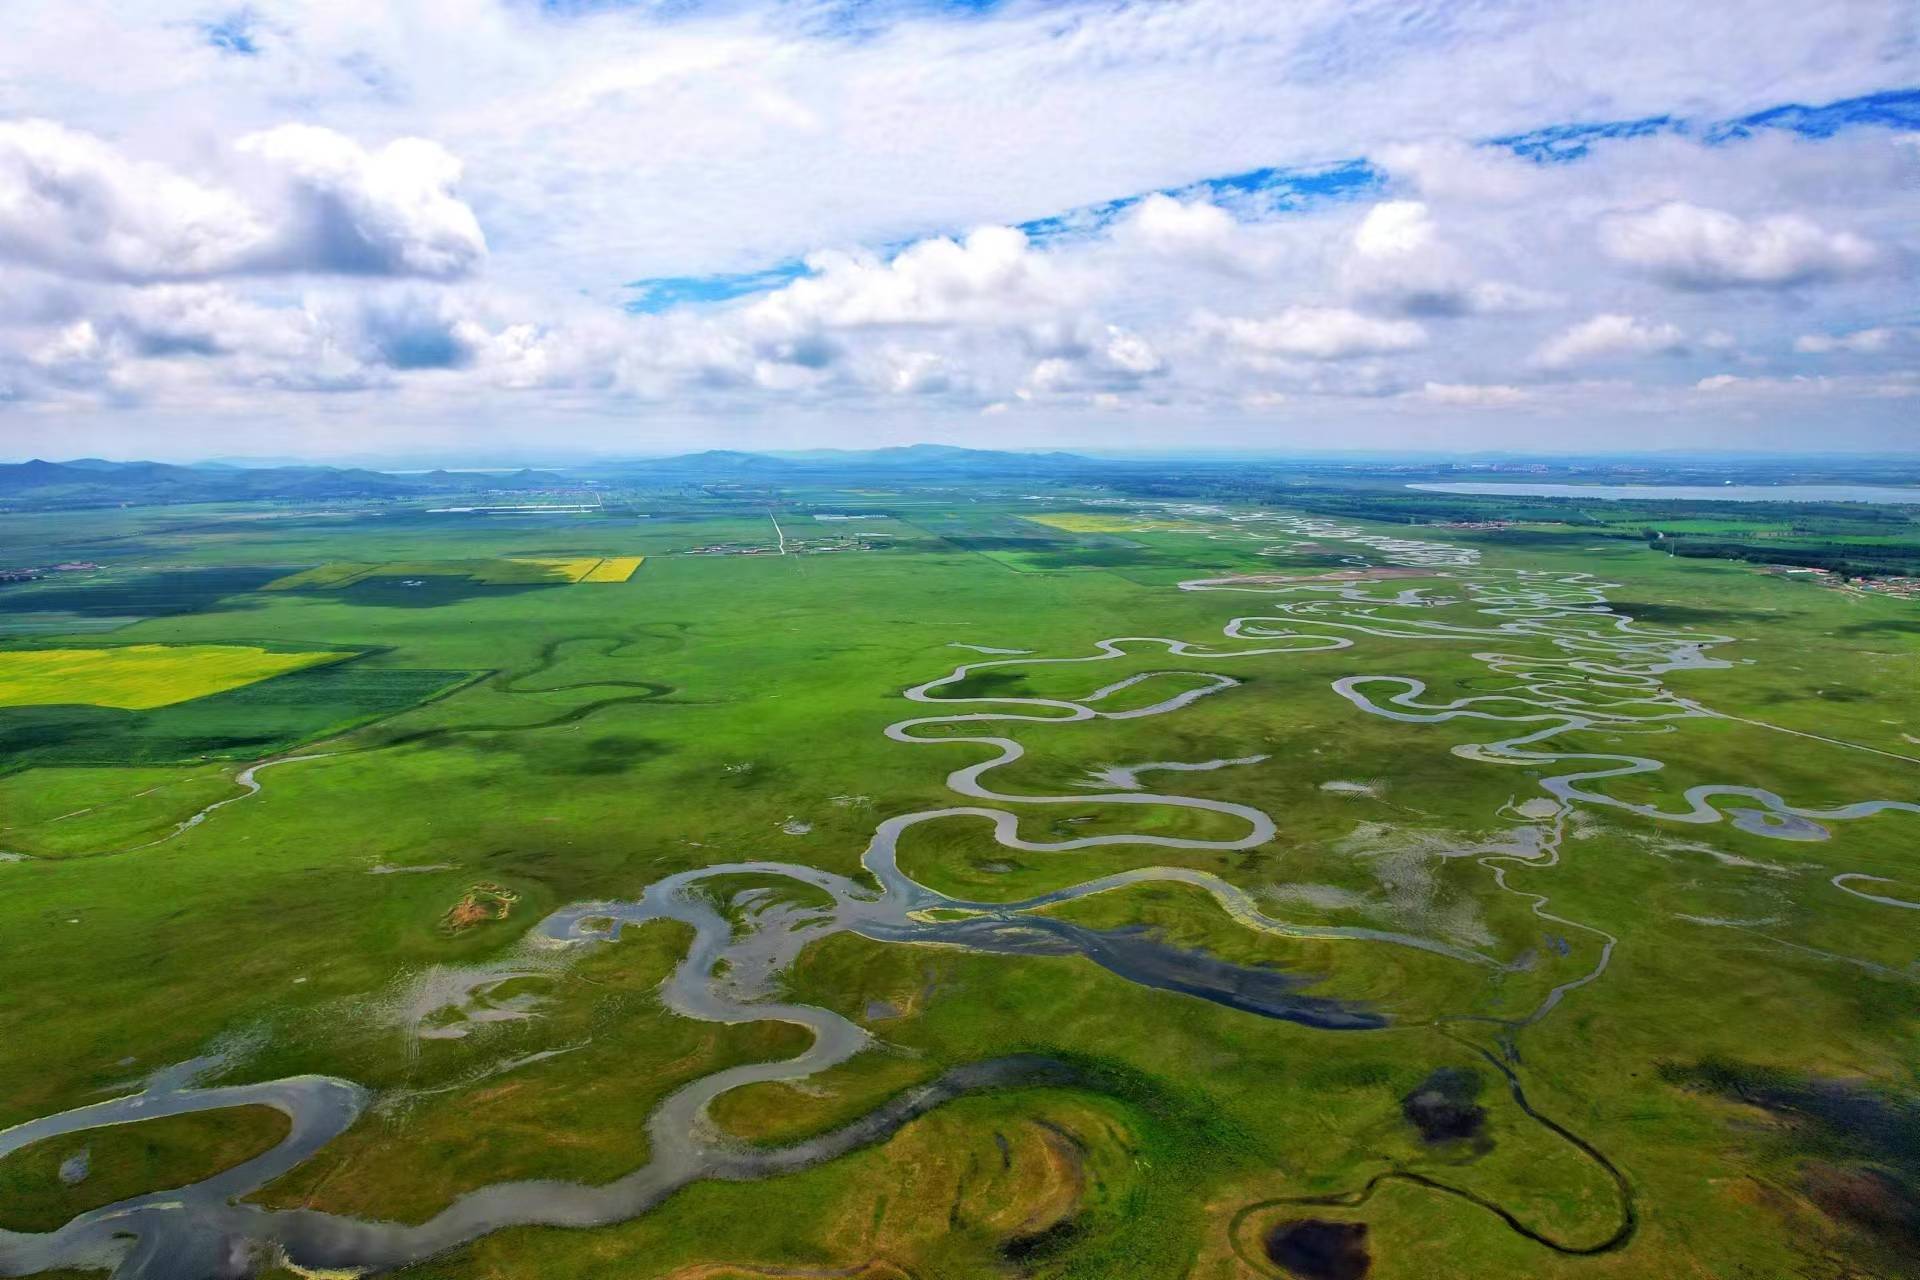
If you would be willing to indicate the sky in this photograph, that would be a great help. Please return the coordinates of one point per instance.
(505, 229)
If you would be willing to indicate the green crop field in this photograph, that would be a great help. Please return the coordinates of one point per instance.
(1052, 882)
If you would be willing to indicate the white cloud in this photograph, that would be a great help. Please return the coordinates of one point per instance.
(1451, 168)
(1608, 336)
(1901, 384)
(75, 343)
(992, 275)
(1471, 395)
(1397, 259)
(1314, 333)
(1196, 231)
(1107, 362)
(1050, 375)
(1395, 229)
(1690, 247)
(204, 237)
(917, 372)
(1860, 341)
(191, 340)
(73, 204)
(1130, 353)
(385, 212)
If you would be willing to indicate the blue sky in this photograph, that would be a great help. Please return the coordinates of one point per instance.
(1276, 191)
(297, 228)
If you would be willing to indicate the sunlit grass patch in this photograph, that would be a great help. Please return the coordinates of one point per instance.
(1104, 522)
(337, 573)
(139, 676)
(586, 568)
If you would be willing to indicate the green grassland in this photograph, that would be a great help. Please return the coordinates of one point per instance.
(124, 1160)
(250, 722)
(569, 744)
(1848, 538)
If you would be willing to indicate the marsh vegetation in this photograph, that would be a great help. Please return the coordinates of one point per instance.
(1256, 891)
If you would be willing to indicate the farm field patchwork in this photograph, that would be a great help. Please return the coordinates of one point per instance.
(249, 721)
(1140, 887)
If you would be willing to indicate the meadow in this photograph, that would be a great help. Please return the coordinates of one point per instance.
(529, 712)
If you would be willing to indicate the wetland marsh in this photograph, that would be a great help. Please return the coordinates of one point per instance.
(1255, 816)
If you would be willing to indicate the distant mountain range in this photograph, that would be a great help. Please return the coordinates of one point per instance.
(923, 458)
(99, 482)
(96, 481)
(909, 455)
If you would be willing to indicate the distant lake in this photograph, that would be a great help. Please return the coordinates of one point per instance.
(1693, 492)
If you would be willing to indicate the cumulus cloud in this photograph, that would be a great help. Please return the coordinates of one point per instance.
(195, 337)
(191, 338)
(1114, 360)
(174, 243)
(415, 330)
(1608, 336)
(1313, 333)
(916, 372)
(1196, 231)
(385, 212)
(1690, 247)
(1396, 259)
(994, 274)
(209, 320)
(919, 321)
(73, 204)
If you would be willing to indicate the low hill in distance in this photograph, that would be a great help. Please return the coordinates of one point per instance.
(86, 482)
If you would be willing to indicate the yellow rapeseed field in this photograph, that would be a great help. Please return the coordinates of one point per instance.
(136, 677)
(614, 569)
(572, 568)
(513, 571)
